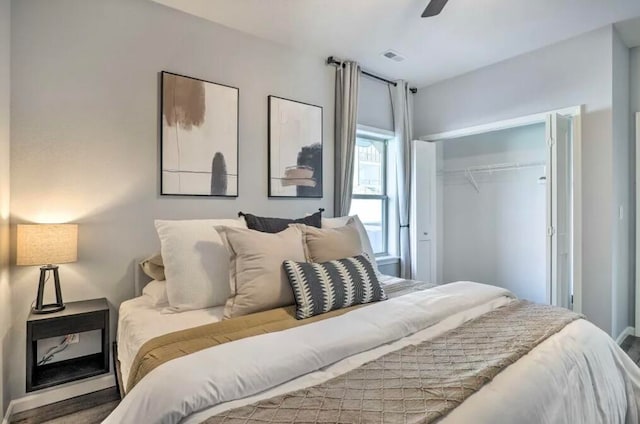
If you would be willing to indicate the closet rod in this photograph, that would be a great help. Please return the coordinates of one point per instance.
(495, 168)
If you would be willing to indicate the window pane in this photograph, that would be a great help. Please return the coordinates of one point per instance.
(370, 212)
(368, 171)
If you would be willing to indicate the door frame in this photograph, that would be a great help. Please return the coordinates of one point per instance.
(575, 112)
(637, 258)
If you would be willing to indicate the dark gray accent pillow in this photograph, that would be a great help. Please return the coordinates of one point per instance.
(275, 225)
(322, 287)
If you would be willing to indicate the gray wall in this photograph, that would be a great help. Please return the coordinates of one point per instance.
(574, 72)
(5, 294)
(508, 214)
(623, 237)
(374, 104)
(85, 132)
(634, 84)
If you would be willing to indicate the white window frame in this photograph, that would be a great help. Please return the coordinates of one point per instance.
(389, 218)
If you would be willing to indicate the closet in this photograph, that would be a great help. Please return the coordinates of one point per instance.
(495, 207)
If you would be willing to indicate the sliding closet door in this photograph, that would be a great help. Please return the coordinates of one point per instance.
(423, 212)
(559, 210)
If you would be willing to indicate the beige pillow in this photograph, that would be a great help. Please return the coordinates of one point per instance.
(153, 266)
(330, 244)
(364, 237)
(257, 277)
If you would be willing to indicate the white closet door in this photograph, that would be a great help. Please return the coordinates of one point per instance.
(423, 211)
(558, 210)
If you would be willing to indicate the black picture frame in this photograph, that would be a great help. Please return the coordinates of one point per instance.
(235, 142)
(314, 152)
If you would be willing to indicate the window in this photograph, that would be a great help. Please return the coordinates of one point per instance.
(370, 200)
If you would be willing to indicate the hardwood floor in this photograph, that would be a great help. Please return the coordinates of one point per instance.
(94, 407)
(91, 408)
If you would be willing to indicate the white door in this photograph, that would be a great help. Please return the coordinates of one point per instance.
(558, 210)
(423, 211)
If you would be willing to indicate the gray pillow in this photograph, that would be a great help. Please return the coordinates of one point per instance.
(275, 225)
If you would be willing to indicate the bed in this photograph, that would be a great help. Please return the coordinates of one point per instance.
(575, 375)
(311, 333)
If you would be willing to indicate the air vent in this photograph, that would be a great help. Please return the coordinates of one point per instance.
(393, 55)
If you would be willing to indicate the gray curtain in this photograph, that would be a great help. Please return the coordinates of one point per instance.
(402, 118)
(346, 121)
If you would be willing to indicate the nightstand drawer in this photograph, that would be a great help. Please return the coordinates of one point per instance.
(67, 325)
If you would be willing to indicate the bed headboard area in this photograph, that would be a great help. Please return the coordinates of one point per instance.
(140, 279)
(196, 251)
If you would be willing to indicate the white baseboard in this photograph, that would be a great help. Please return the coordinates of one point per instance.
(629, 331)
(7, 415)
(56, 394)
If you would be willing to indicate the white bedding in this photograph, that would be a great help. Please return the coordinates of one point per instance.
(576, 376)
(139, 321)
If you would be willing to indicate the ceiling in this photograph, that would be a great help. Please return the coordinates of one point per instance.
(467, 35)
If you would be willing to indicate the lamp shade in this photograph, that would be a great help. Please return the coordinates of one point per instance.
(42, 244)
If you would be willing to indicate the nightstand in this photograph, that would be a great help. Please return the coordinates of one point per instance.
(77, 317)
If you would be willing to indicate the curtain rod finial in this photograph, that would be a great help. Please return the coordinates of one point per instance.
(332, 61)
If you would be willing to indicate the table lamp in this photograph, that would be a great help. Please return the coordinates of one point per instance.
(47, 245)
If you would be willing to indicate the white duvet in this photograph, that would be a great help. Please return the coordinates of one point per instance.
(576, 376)
(140, 321)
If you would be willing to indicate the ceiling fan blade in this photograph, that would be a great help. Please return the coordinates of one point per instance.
(434, 8)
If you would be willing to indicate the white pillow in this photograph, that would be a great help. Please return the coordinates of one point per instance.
(156, 292)
(196, 264)
(364, 237)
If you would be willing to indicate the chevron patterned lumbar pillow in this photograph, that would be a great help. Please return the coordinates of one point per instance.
(322, 287)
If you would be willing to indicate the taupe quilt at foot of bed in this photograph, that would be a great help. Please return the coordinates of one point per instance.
(418, 383)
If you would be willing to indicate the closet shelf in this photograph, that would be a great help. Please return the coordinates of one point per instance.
(499, 167)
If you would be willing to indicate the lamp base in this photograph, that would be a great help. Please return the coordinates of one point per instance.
(48, 309)
(40, 307)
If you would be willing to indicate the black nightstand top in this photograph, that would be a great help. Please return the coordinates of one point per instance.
(73, 308)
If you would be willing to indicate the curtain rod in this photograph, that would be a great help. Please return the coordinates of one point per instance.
(332, 61)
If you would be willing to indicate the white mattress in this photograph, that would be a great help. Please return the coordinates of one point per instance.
(139, 321)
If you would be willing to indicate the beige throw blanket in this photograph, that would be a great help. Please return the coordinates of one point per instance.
(416, 384)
